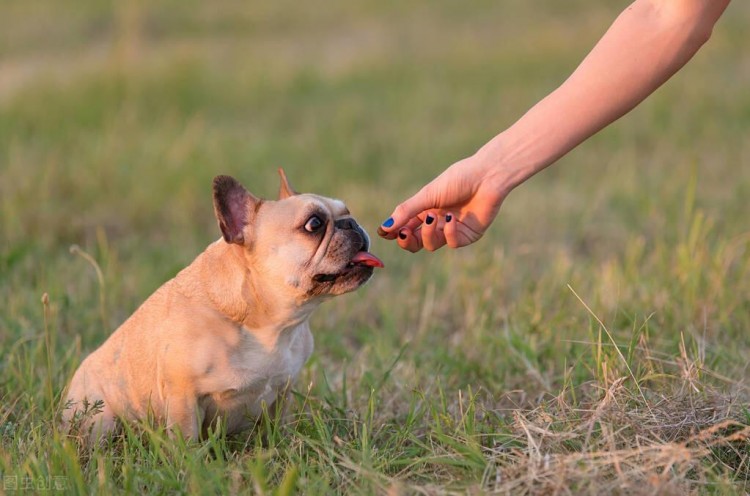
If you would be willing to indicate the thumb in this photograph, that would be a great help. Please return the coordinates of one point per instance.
(407, 210)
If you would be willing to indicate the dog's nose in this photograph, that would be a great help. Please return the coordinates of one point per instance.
(365, 239)
(347, 223)
(350, 224)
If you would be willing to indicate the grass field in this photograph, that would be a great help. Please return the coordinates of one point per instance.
(596, 340)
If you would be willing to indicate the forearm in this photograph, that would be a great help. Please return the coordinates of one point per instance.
(644, 47)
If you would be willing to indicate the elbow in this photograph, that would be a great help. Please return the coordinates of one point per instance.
(700, 36)
(700, 31)
(695, 19)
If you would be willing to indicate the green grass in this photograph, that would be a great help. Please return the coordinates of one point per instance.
(596, 340)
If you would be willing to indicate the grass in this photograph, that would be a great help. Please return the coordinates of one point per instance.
(596, 340)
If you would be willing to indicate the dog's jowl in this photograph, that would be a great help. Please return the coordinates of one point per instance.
(230, 332)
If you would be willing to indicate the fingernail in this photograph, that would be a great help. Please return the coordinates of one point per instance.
(401, 235)
(388, 223)
(448, 218)
(429, 220)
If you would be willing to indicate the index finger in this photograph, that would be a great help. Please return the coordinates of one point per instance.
(411, 225)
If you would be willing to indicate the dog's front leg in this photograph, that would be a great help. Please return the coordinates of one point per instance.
(280, 410)
(184, 415)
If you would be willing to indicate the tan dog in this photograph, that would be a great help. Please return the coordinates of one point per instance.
(230, 331)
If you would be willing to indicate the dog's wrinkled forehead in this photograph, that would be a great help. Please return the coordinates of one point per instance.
(310, 204)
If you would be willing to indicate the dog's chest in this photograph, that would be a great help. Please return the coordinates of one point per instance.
(252, 375)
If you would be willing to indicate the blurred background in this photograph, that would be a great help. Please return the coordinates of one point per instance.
(114, 117)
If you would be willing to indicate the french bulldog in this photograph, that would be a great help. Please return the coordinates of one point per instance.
(227, 335)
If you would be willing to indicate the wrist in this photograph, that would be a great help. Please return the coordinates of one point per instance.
(503, 168)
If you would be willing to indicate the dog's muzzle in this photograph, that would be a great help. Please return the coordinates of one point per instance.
(350, 224)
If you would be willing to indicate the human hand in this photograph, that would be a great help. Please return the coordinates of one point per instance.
(642, 49)
(456, 208)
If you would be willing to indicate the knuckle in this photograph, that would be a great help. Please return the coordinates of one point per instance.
(427, 191)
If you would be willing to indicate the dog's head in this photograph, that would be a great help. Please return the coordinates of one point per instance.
(303, 244)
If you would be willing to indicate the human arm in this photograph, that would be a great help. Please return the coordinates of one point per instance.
(649, 42)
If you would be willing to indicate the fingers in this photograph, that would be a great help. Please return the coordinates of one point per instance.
(432, 232)
(410, 240)
(407, 211)
(450, 231)
(430, 235)
(409, 236)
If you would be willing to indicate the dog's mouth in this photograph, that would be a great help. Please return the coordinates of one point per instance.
(362, 259)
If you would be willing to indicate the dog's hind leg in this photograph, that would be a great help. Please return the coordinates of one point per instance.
(103, 424)
(88, 420)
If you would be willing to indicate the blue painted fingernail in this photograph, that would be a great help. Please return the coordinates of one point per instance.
(448, 218)
(429, 220)
(402, 234)
(388, 223)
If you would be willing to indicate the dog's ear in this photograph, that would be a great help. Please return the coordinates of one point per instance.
(233, 205)
(285, 190)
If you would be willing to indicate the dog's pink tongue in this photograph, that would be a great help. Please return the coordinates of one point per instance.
(368, 259)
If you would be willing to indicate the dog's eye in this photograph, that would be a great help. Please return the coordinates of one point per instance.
(313, 224)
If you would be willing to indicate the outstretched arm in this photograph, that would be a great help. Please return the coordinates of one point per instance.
(644, 47)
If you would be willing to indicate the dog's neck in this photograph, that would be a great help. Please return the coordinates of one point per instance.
(231, 288)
